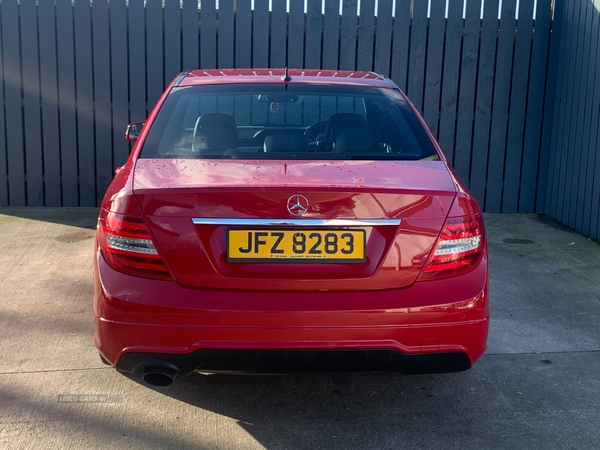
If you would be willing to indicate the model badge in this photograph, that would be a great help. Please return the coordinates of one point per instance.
(297, 204)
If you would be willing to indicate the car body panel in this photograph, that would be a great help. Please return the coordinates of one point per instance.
(171, 193)
(414, 320)
(430, 176)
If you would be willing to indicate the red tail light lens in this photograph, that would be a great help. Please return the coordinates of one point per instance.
(459, 246)
(127, 246)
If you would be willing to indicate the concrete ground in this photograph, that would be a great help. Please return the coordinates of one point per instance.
(537, 387)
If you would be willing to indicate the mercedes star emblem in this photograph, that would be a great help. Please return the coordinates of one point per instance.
(297, 204)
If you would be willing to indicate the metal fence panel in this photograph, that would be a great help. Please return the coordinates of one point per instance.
(295, 35)
(31, 104)
(400, 43)
(314, 18)
(102, 106)
(331, 24)
(433, 73)
(348, 35)
(13, 103)
(84, 79)
(591, 215)
(66, 103)
(172, 42)
(226, 35)
(417, 55)
(243, 34)
(450, 78)
(119, 77)
(383, 37)
(580, 150)
(189, 25)
(518, 99)
(260, 34)
(484, 100)
(573, 146)
(366, 30)
(137, 60)
(573, 187)
(533, 156)
(550, 134)
(278, 35)
(468, 82)
(3, 147)
(154, 51)
(566, 108)
(502, 85)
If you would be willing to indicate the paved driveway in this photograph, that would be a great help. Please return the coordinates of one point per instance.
(537, 387)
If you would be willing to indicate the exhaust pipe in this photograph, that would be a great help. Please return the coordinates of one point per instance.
(159, 376)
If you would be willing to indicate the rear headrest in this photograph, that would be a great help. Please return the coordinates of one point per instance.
(217, 119)
(343, 121)
(215, 133)
(355, 140)
(288, 143)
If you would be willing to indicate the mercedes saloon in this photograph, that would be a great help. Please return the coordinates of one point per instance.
(276, 221)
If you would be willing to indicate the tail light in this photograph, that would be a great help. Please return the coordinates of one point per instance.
(127, 246)
(459, 246)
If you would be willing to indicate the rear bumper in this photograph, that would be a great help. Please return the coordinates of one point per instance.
(435, 326)
(293, 361)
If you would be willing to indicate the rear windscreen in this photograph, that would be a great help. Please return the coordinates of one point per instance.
(293, 121)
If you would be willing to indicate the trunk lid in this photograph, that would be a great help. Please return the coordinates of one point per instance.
(382, 218)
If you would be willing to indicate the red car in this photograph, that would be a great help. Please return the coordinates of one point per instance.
(279, 221)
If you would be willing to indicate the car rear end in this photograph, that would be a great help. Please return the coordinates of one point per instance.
(277, 226)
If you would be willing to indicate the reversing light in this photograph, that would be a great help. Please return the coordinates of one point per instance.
(459, 246)
(133, 245)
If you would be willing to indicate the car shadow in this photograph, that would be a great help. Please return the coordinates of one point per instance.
(75, 217)
(356, 410)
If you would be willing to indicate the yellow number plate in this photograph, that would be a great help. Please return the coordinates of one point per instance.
(296, 245)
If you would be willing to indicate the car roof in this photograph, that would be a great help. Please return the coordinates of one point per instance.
(274, 76)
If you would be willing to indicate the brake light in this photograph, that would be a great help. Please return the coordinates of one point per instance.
(127, 246)
(459, 246)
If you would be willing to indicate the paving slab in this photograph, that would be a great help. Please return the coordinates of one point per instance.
(545, 286)
(537, 387)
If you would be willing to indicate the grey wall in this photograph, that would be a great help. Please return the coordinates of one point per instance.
(573, 185)
(73, 75)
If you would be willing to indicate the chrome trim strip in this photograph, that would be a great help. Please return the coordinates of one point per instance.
(297, 222)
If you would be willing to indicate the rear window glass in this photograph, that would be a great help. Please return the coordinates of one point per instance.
(296, 121)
